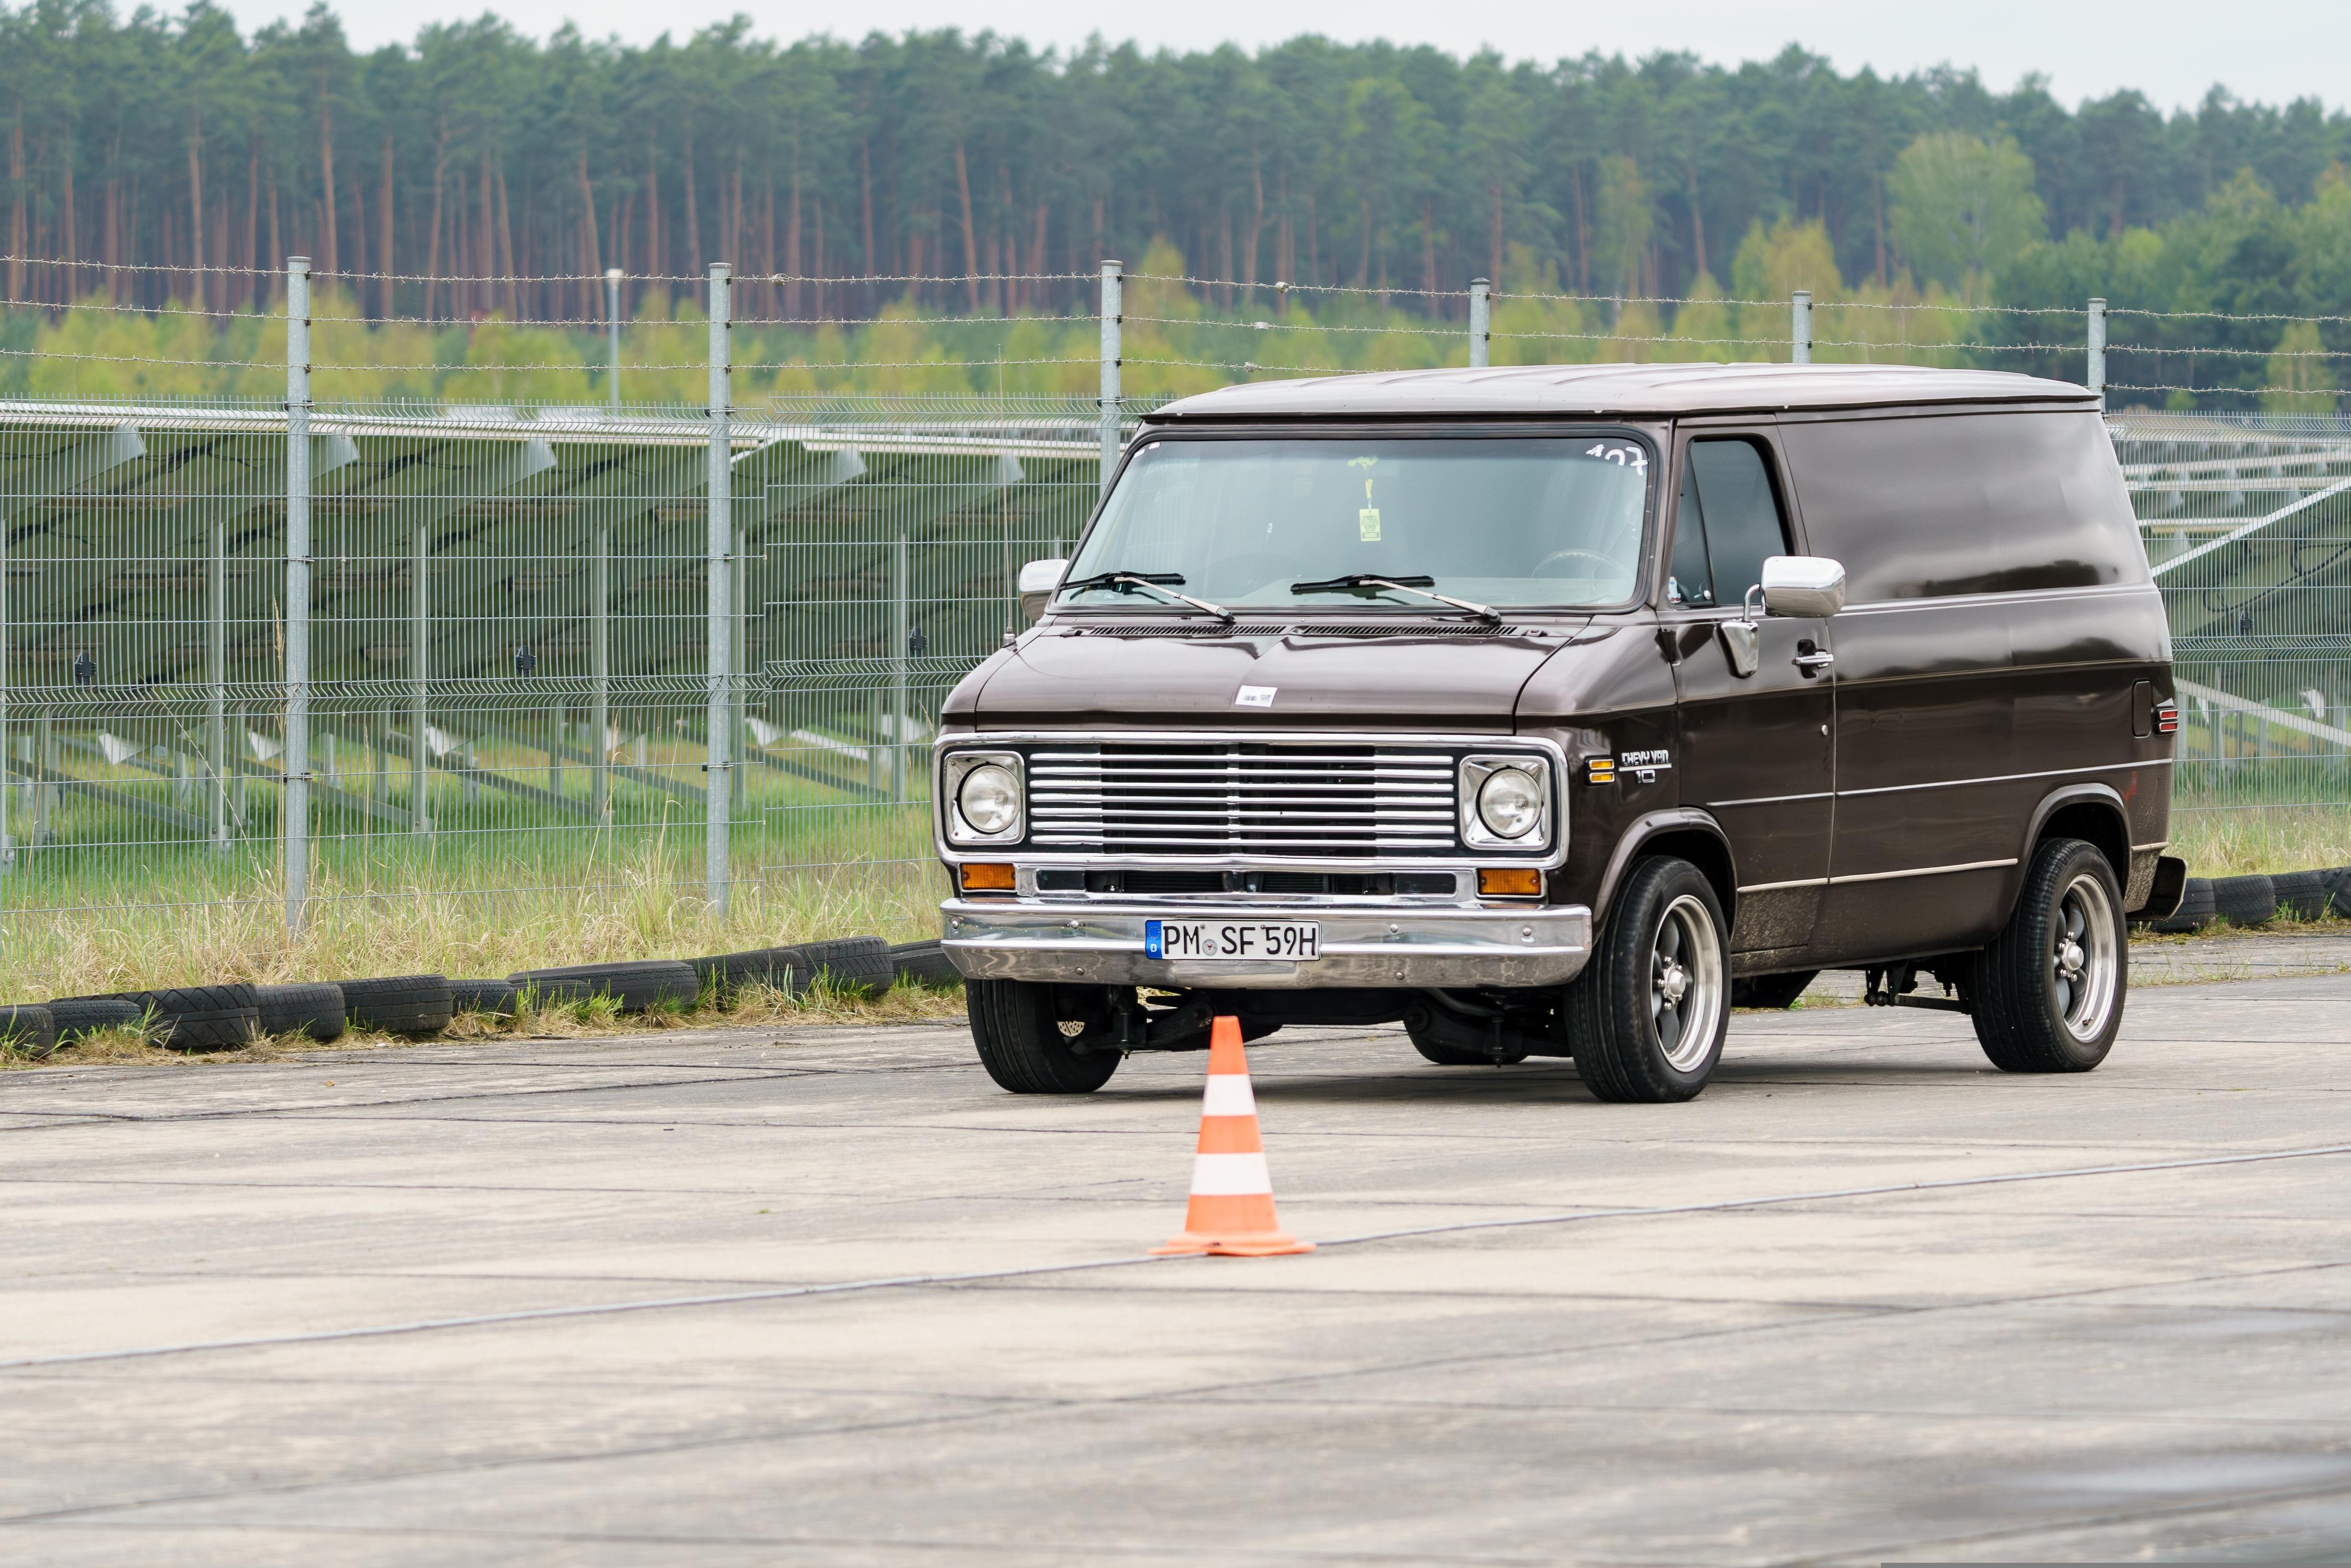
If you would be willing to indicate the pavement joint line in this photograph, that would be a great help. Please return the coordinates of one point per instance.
(905, 1282)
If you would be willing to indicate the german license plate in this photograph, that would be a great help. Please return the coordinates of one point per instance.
(1274, 941)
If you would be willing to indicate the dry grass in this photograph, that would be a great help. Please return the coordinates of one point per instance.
(2244, 839)
(637, 910)
(906, 1003)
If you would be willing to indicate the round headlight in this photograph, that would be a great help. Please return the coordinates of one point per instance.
(989, 799)
(1509, 803)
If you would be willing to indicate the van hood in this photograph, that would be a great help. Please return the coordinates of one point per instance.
(1053, 676)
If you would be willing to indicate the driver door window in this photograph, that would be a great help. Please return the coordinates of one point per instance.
(1728, 521)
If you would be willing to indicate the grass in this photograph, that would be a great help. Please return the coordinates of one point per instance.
(2239, 839)
(908, 1002)
(481, 914)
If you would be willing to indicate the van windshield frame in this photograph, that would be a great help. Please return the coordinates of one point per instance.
(1542, 460)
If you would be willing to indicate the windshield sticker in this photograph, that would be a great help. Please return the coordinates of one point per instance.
(1255, 697)
(1367, 521)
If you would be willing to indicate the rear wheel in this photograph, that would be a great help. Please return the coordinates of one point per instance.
(1028, 1048)
(1649, 1013)
(2048, 994)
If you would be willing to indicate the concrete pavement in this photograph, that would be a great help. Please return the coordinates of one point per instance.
(1802, 1319)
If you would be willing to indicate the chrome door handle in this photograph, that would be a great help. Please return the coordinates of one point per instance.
(1813, 663)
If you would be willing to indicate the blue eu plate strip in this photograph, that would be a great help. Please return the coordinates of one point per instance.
(1153, 946)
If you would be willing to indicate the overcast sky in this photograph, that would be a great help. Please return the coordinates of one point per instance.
(2265, 50)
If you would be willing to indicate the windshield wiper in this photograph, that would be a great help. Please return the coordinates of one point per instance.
(1151, 581)
(1355, 581)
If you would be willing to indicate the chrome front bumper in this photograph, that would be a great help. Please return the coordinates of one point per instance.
(1102, 944)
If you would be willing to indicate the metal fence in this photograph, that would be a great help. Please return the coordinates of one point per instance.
(301, 650)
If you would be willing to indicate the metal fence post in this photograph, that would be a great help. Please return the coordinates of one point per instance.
(739, 661)
(721, 538)
(216, 675)
(420, 657)
(599, 671)
(2096, 378)
(899, 633)
(1481, 323)
(1800, 328)
(1113, 274)
(294, 799)
(612, 336)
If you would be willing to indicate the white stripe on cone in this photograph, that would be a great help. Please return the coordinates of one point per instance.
(1229, 1095)
(1230, 1175)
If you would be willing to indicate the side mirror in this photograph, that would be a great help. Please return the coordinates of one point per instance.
(1802, 585)
(1038, 580)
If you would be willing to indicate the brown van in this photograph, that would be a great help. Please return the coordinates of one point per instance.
(1560, 710)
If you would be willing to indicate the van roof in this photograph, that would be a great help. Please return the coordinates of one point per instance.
(1676, 389)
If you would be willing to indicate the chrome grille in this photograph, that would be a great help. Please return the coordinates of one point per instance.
(1264, 798)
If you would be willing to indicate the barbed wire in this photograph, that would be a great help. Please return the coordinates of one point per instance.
(2209, 392)
(142, 267)
(141, 359)
(1280, 287)
(1426, 331)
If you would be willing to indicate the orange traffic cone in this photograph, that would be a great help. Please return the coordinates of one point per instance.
(1231, 1213)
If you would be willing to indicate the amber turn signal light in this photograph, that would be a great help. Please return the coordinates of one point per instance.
(987, 879)
(1503, 882)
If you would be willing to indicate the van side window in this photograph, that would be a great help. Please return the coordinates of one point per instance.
(1730, 521)
(1918, 507)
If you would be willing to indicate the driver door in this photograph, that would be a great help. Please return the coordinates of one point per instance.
(1755, 751)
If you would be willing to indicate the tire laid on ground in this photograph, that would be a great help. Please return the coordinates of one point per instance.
(498, 999)
(2048, 992)
(1024, 1045)
(2302, 894)
(924, 961)
(399, 1004)
(312, 1010)
(2244, 900)
(636, 985)
(1772, 991)
(1648, 1014)
(201, 1017)
(2339, 892)
(29, 1029)
(2195, 911)
(725, 974)
(857, 964)
(79, 1016)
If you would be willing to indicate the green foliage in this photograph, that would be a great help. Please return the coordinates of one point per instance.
(1961, 209)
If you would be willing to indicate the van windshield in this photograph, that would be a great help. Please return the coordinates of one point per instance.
(1522, 521)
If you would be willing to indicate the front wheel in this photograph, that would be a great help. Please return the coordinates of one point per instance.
(2048, 993)
(1028, 1048)
(1649, 1013)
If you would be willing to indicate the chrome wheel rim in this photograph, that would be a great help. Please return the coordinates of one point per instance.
(2083, 970)
(1686, 988)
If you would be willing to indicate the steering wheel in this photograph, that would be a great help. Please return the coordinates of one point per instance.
(1607, 567)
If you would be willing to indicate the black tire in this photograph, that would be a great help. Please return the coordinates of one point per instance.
(638, 986)
(925, 962)
(1772, 991)
(2195, 911)
(399, 1004)
(312, 1010)
(494, 999)
(2245, 901)
(79, 1016)
(2339, 892)
(1454, 1056)
(859, 966)
(1018, 1031)
(29, 1029)
(201, 1017)
(2304, 895)
(2043, 1004)
(1642, 973)
(725, 975)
